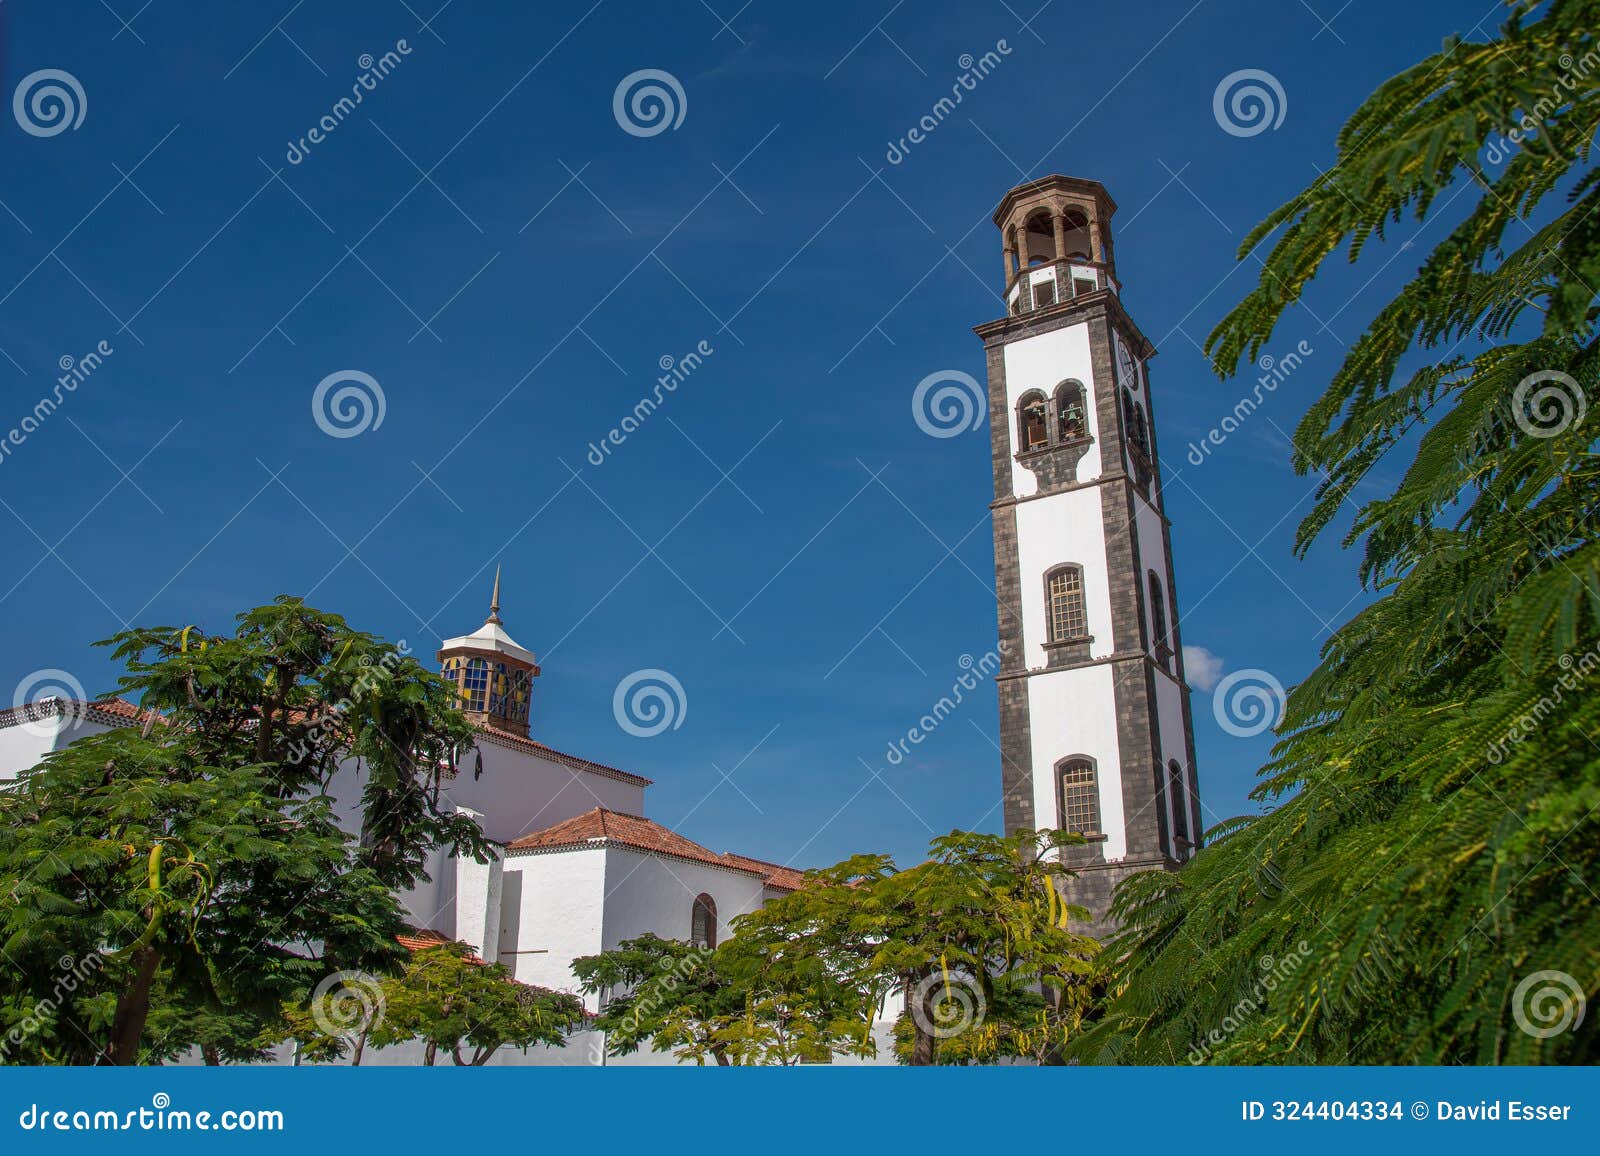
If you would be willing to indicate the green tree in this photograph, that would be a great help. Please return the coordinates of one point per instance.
(450, 999)
(1419, 892)
(669, 993)
(199, 861)
(980, 920)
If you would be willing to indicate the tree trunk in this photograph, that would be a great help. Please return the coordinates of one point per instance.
(133, 1008)
(428, 1053)
(481, 1056)
(722, 1056)
(922, 1043)
(359, 1047)
(213, 1058)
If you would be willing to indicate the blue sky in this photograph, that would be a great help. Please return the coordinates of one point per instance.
(484, 240)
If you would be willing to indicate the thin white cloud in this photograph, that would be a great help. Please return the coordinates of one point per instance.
(1203, 668)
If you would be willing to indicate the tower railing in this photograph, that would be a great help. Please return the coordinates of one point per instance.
(1054, 282)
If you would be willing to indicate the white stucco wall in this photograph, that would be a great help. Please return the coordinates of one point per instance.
(1062, 528)
(1041, 363)
(26, 744)
(552, 911)
(1073, 712)
(653, 893)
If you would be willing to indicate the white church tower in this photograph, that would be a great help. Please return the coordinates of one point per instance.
(1095, 727)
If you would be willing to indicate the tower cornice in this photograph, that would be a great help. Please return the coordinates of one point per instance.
(1055, 182)
(1104, 303)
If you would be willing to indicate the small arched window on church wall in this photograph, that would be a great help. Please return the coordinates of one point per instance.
(1032, 423)
(475, 685)
(1072, 420)
(1180, 803)
(1161, 640)
(703, 922)
(1064, 603)
(1079, 796)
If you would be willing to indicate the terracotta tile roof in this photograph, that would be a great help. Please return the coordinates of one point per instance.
(646, 835)
(110, 712)
(778, 876)
(422, 938)
(572, 762)
(633, 831)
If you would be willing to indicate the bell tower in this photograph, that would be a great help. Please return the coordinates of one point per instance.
(492, 674)
(1095, 729)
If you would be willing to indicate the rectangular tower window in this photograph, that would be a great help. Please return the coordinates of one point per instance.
(1080, 798)
(1068, 618)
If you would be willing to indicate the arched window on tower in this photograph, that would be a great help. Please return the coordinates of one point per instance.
(475, 685)
(1064, 603)
(1138, 434)
(1079, 796)
(1032, 423)
(703, 922)
(1161, 640)
(518, 707)
(1041, 238)
(1072, 422)
(1077, 235)
(1180, 804)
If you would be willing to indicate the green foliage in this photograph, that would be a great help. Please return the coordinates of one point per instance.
(198, 862)
(451, 1000)
(1438, 774)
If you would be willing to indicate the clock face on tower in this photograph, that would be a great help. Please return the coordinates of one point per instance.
(1127, 369)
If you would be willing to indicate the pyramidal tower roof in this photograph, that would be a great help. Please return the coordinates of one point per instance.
(492, 634)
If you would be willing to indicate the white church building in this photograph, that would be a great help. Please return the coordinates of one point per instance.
(577, 868)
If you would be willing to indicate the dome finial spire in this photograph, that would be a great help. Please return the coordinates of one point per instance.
(494, 599)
